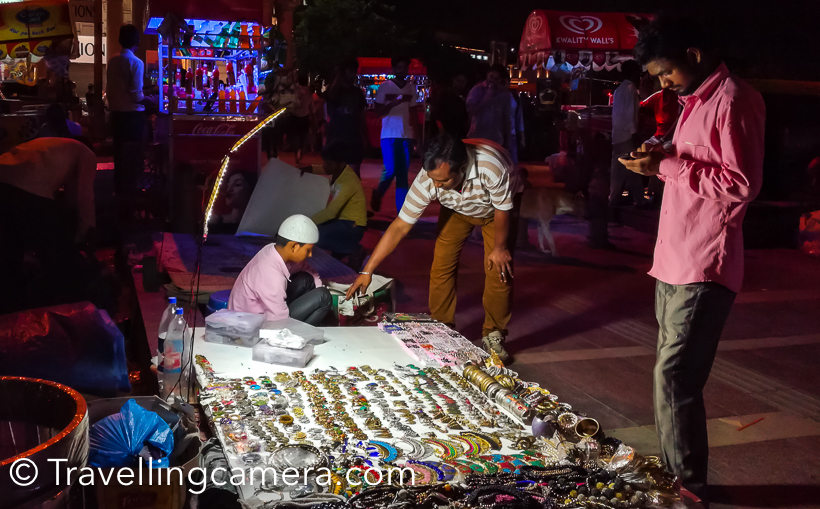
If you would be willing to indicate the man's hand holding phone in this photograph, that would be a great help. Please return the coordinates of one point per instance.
(644, 161)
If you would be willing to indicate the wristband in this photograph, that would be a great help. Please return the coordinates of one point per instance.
(365, 273)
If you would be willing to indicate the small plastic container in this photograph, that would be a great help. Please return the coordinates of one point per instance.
(313, 335)
(233, 328)
(263, 352)
(235, 322)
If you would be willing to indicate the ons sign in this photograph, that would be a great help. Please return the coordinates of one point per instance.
(87, 49)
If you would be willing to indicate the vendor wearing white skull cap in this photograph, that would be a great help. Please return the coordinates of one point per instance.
(278, 282)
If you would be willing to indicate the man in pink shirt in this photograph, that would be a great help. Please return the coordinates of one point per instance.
(712, 172)
(278, 283)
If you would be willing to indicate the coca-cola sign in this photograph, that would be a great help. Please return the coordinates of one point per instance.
(212, 129)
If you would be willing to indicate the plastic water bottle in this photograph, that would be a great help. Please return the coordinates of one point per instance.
(177, 353)
(164, 322)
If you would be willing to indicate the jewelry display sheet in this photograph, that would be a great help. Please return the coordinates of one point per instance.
(242, 391)
(419, 415)
(436, 342)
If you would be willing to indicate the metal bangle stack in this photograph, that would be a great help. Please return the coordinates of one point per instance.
(498, 393)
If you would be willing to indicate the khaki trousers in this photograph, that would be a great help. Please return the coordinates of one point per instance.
(453, 231)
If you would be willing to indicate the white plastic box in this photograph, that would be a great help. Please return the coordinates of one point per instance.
(263, 352)
(233, 328)
(313, 335)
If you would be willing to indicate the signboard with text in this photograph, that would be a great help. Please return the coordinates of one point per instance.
(87, 49)
(201, 144)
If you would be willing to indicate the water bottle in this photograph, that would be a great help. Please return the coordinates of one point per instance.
(176, 356)
(164, 322)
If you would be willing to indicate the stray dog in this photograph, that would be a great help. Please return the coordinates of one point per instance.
(544, 203)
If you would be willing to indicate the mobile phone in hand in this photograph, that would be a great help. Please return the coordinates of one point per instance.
(627, 156)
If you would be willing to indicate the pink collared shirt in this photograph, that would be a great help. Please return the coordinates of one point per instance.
(263, 284)
(715, 170)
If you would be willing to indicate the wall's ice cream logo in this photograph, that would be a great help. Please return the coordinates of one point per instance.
(581, 24)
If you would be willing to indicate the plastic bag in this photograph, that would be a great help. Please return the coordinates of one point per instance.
(120, 439)
(76, 345)
(286, 339)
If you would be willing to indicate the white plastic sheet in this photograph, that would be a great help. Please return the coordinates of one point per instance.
(282, 191)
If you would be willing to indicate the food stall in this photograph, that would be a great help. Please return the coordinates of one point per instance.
(575, 59)
(375, 71)
(415, 398)
(35, 45)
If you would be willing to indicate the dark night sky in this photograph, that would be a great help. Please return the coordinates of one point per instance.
(777, 39)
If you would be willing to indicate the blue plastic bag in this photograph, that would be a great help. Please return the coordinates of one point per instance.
(119, 440)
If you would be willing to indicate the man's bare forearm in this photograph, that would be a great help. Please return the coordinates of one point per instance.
(397, 230)
(502, 229)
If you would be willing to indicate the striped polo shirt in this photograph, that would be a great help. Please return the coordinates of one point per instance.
(487, 185)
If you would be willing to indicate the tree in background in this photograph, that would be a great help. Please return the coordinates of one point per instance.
(329, 30)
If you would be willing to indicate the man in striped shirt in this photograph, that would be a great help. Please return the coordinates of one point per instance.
(471, 179)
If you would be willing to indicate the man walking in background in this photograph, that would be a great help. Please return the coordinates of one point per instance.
(396, 102)
(712, 172)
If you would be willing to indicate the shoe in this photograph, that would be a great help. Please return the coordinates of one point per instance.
(494, 343)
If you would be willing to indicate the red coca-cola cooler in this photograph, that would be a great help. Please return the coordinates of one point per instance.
(197, 145)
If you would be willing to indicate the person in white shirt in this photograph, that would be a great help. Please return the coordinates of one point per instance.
(125, 101)
(625, 104)
(396, 102)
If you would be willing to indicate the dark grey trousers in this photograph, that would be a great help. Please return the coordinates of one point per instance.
(691, 319)
(307, 303)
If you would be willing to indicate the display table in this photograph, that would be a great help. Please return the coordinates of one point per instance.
(345, 346)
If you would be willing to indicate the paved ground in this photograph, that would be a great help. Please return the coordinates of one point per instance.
(583, 326)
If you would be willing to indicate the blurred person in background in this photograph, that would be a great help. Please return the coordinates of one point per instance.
(346, 104)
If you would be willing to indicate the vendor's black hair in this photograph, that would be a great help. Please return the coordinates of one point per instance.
(444, 148)
(337, 151)
(668, 37)
(282, 241)
(129, 36)
(398, 59)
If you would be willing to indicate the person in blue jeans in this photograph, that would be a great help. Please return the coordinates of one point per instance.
(396, 100)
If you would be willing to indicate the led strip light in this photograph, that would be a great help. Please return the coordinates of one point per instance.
(224, 168)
